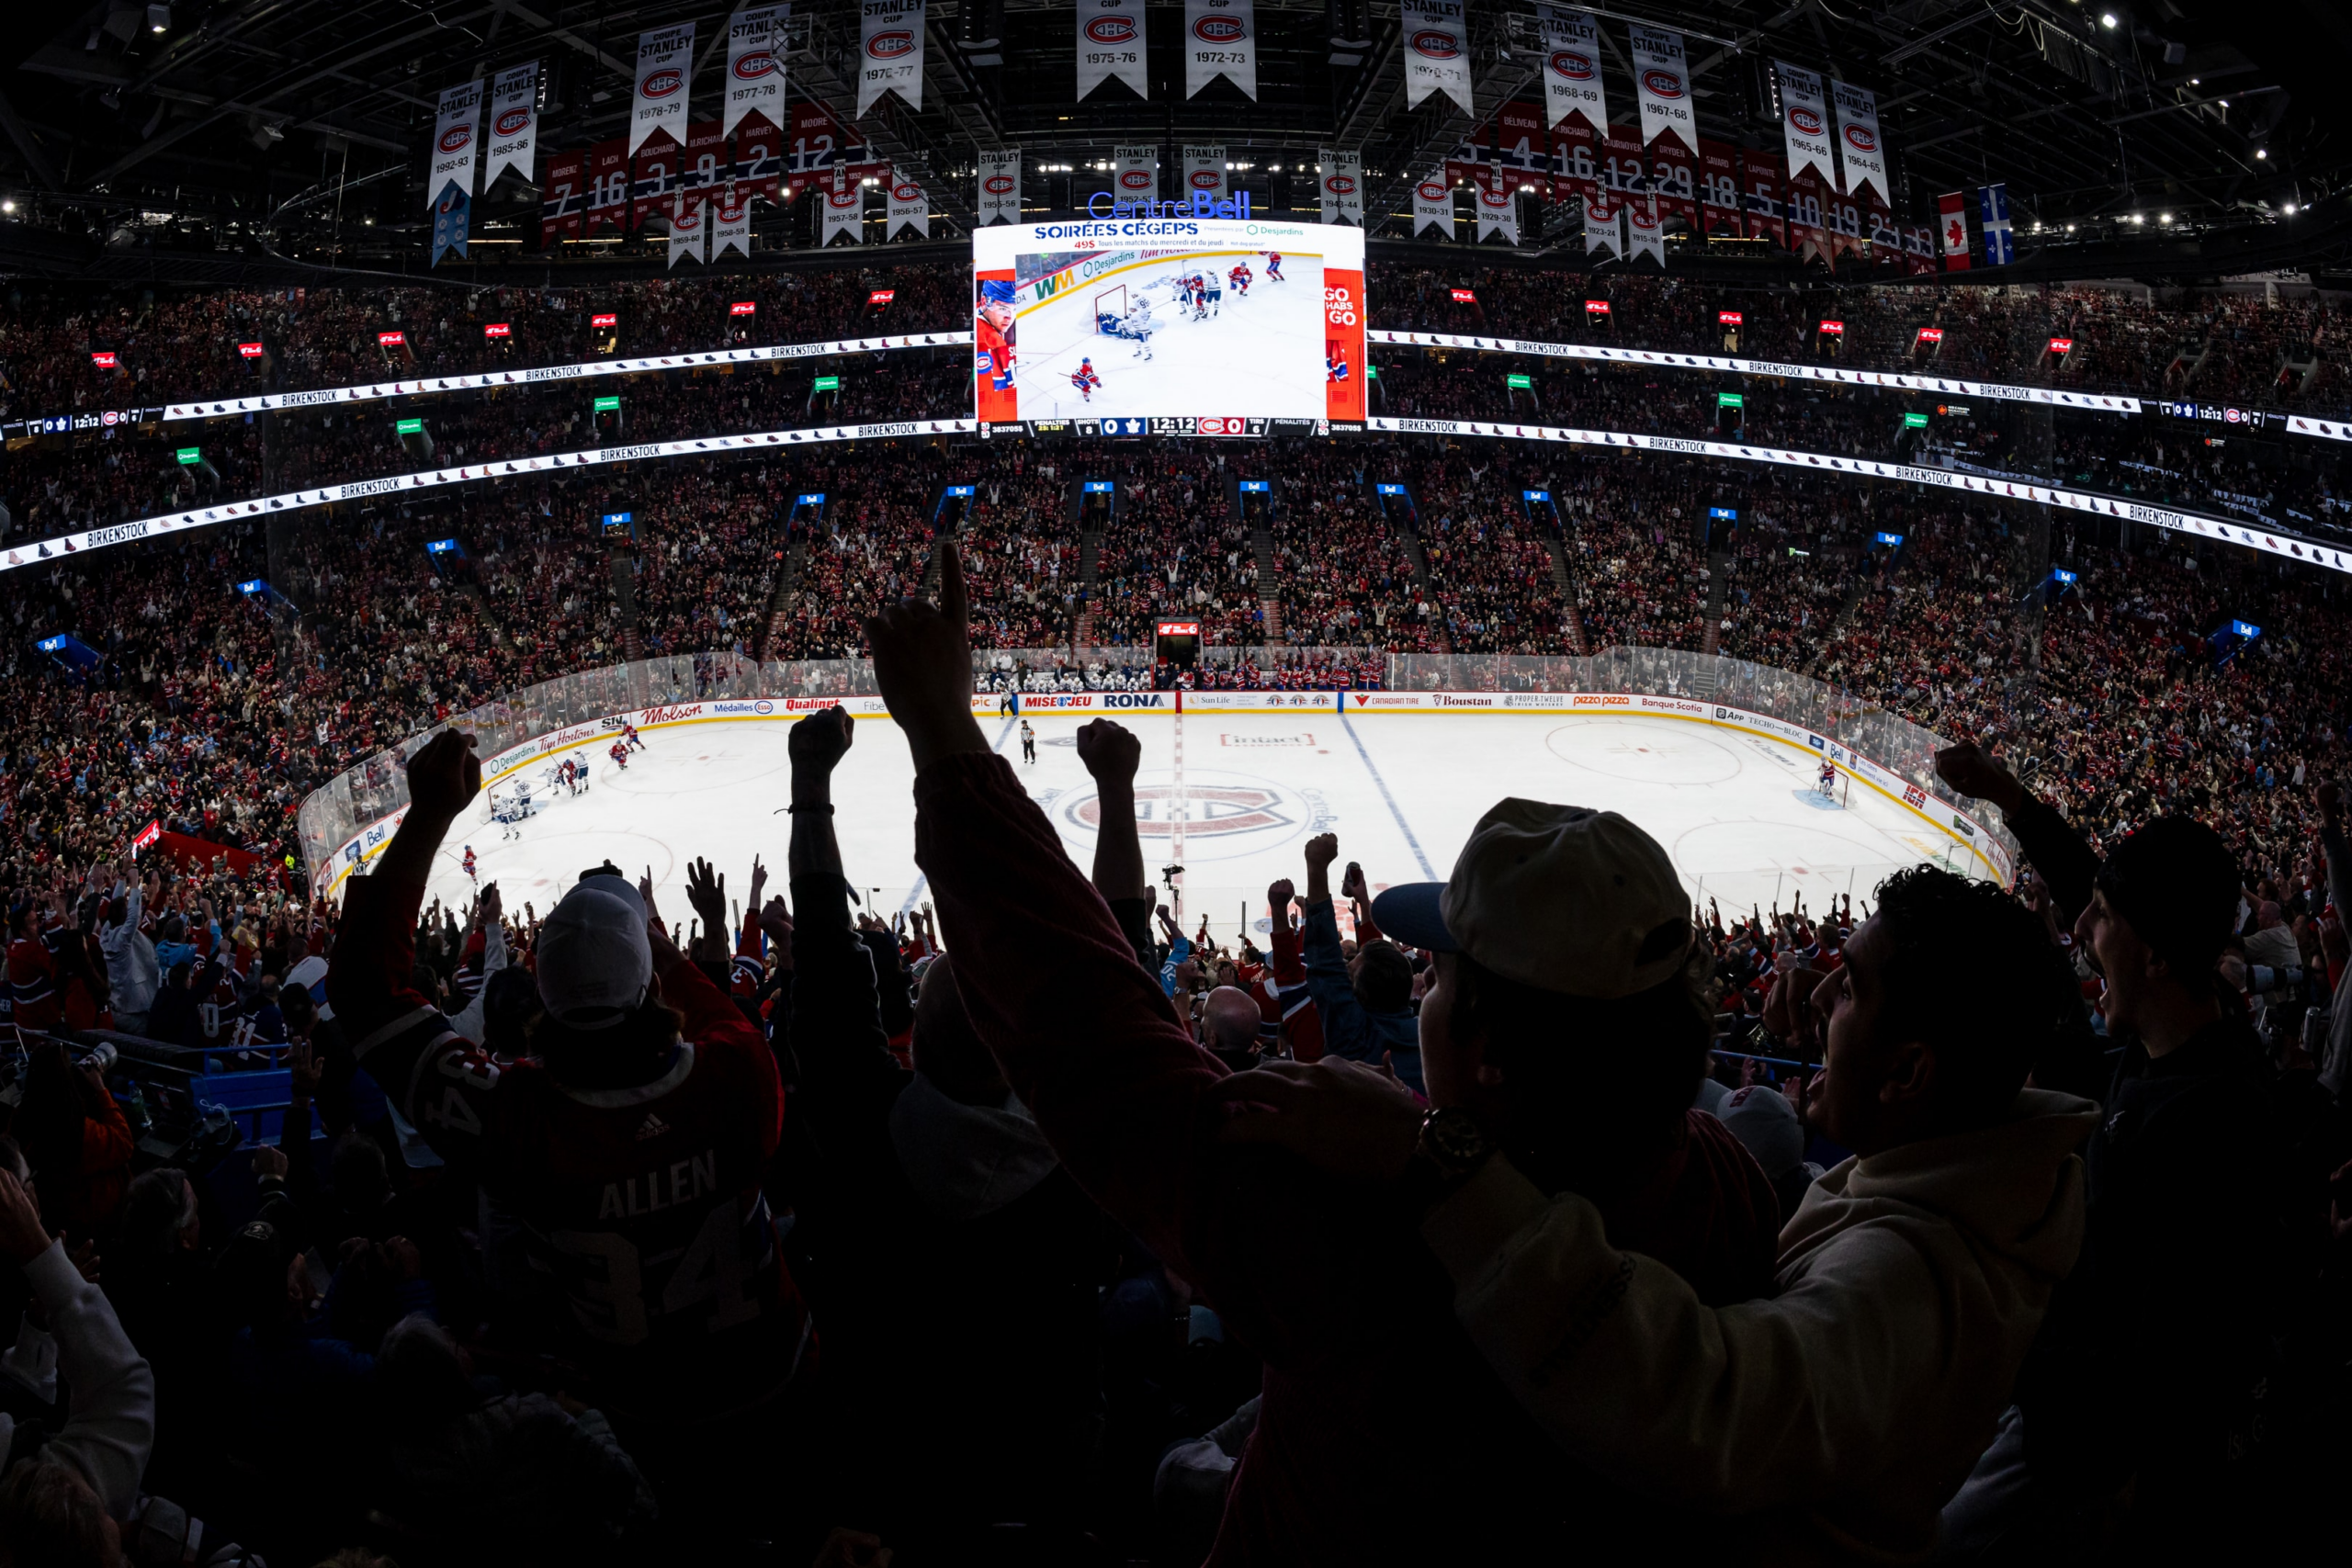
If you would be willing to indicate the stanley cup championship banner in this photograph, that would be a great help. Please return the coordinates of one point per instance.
(1663, 85)
(1433, 206)
(910, 209)
(731, 225)
(1805, 123)
(688, 228)
(1572, 67)
(999, 193)
(1858, 140)
(1135, 174)
(1342, 186)
(754, 66)
(664, 58)
(1645, 236)
(1204, 173)
(456, 143)
(889, 48)
(1111, 44)
(513, 123)
(1221, 40)
(1498, 208)
(845, 211)
(1603, 226)
(1436, 52)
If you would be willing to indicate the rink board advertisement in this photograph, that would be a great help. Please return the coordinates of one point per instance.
(532, 761)
(1168, 317)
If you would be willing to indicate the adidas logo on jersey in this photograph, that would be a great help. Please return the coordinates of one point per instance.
(653, 1127)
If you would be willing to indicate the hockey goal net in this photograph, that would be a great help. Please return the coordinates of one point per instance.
(1835, 789)
(1111, 302)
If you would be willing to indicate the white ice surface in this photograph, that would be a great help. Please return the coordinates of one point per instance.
(1738, 815)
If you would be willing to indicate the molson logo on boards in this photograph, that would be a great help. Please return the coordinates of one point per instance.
(1573, 66)
(1664, 84)
(1137, 179)
(1860, 139)
(999, 184)
(663, 83)
(890, 45)
(1111, 30)
(754, 65)
(1805, 119)
(456, 137)
(1219, 29)
(511, 121)
(672, 715)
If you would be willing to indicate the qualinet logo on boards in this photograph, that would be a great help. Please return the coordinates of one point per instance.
(672, 715)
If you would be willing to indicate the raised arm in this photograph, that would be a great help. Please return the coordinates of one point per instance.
(1347, 1029)
(2066, 863)
(1112, 754)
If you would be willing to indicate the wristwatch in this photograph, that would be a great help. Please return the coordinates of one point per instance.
(1450, 1149)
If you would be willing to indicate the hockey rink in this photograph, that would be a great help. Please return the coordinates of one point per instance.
(1256, 355)
(1737, 812)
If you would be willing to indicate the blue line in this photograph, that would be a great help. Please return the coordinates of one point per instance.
(1382, 785)
(920, 880)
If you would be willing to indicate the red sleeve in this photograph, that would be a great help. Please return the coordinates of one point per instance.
(717, 1027)
(105, 1139)
(751, 949)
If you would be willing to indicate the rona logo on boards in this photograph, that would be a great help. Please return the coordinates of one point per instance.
(1576, 67)
(672, 715)
(1111, 30)
(1219, 29)
(456, 137)
(1860, 139)
(1806, 118)
(999, 184)
(1664, 84)
(511, 121)
(754, 65)
(661, 83)
(891, 45)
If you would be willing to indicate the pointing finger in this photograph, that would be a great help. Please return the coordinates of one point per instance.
(952, 601)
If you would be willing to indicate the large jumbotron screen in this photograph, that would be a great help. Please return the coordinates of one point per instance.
(1216, 324)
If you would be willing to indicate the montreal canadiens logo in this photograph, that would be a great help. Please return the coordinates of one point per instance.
(891, 45)
(1340, 184)
(838, 199)
(511, 121)
(1662, 83)
(1432, 191)
(1435, 44)
(1235, 809)
(906, 193)
(1206, 179)
(1860, 139)
(1111, 30)
(1219, 29)
(456, 137)
(661, 83)
(1573, 66)
(754, 65)
(1806, 118)
(1000, 184)
(1137, 179)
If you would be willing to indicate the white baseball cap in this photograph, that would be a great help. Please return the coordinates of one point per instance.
(1561, 897)
(594, 960)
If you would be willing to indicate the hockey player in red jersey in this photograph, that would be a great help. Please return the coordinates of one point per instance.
(1239, 279)
(992, 332)
(620, 753)
(1085, 379)
(471, 876)
(630, 738)
(1274, 267)
(1335, 365)
(629, 1147)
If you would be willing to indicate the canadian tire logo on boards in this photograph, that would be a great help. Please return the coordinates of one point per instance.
(1576, 67)
(1664, 84)
(891, 45)
(661, 83)
(1859, 137)
(1219, 29)
(456, 137)
(1111, 30)
(1435, 44)
(1805, 118)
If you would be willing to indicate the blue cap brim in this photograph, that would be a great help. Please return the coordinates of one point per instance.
(1409, 914)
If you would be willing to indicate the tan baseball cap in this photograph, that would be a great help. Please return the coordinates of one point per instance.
(1561, 897)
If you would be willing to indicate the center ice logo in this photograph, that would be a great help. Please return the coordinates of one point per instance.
(1211, 811)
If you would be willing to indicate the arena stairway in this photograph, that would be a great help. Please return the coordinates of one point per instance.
(780, 601)
(623, 569)
(1261, 548)
(1089, 563)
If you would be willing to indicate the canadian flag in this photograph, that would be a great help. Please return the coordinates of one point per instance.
(1952, 224)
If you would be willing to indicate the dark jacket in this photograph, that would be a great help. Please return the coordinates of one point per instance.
(1350, 1028)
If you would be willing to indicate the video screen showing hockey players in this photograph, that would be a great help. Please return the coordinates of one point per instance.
(1157, 319)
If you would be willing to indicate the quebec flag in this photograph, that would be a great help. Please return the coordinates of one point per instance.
(2000, 242)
